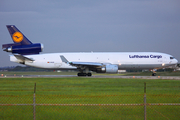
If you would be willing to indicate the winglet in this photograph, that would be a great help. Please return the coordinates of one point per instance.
(64, 59)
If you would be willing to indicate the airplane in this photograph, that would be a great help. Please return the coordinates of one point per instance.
(28, 53)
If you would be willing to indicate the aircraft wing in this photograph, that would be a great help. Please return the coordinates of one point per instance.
(81, 64)
(89, 64)
(92, 66)
(22, 58)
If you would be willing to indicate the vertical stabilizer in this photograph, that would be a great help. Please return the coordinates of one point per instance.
(17, 36)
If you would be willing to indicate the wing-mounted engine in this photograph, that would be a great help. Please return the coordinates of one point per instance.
(108, 69)
(35, 48)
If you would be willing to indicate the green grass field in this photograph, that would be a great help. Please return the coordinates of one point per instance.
(86, 90)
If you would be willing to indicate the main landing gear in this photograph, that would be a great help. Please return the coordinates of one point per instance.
(84, 74)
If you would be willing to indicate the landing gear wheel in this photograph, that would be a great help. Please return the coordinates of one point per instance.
(154, 74)
(81, 74)
(84, 74)
(89, 74)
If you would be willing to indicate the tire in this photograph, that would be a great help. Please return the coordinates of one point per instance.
(89, 74)
(154, 74)
(81, 74)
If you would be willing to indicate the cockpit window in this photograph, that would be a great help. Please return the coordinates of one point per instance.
(171, 57)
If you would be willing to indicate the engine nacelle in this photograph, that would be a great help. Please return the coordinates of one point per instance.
(108, 69)
(26, 49)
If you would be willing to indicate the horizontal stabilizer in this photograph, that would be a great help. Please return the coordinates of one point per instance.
(23, 58)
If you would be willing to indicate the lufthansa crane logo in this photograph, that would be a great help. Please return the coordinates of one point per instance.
(17, 37)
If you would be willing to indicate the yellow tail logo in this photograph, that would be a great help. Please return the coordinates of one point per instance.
(17, 37)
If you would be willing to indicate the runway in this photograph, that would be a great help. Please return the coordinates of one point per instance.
(94, 76)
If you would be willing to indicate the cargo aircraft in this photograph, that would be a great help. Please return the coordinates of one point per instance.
(28, 53)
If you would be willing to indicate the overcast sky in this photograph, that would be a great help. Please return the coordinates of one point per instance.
(94, 25)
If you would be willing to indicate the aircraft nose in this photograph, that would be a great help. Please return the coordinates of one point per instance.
(176, 61)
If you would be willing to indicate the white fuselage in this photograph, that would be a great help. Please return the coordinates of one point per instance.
(124, 60)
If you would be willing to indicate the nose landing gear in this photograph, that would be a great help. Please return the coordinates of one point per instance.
(153, 74)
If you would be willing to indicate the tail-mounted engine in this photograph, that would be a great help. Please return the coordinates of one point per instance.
(35, 48)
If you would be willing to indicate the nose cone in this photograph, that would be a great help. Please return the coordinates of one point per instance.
(176, 61)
